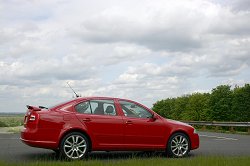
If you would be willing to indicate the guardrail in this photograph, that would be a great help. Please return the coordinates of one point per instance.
(219, 124)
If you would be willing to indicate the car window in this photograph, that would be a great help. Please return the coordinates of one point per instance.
(98, 107)
(103, 107)
(133, 110)
(83, 108)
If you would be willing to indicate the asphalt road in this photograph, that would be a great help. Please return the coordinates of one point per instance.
(211, 144)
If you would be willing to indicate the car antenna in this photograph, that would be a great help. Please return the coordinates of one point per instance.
(73, 90)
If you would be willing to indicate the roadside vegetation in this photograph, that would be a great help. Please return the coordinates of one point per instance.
(215, 161)
(224, 103)
(11, 120)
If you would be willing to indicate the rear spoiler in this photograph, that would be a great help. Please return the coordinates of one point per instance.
(33, 108)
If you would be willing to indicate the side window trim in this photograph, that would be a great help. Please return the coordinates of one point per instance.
(90, 107)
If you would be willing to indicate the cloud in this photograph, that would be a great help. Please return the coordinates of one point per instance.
(156, 29)
(241, 5)
(141, 50)
(236, 6)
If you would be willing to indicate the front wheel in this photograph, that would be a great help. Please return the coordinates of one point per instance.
(178, 145)
(74, 146)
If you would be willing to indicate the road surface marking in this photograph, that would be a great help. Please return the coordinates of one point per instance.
(219, 138)
(8, 138)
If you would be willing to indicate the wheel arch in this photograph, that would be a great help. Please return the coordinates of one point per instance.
(76, 130)
(180, 131)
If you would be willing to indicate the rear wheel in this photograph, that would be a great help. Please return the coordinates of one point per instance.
(74, 146)
(178, 145)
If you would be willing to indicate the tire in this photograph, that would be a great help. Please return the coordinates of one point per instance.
(74, 146)
(178, 145)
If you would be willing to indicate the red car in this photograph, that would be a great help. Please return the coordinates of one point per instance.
(82, 125)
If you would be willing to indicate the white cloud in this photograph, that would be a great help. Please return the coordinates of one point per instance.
(142, 50)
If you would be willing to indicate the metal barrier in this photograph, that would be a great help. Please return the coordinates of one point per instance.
(218, 124)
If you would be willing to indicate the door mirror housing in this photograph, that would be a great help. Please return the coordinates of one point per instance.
(153, 117)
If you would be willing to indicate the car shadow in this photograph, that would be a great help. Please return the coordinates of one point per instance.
(102, 155)
(123, 155)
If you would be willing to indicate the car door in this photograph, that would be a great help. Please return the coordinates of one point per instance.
(102, 122)
(140, 129)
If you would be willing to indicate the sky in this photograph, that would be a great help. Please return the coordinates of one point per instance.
(141, 50)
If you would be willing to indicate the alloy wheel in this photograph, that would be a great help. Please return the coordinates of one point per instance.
(75, 146)
(179, 145)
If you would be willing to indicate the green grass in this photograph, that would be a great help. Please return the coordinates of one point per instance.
(11, 121)
(190, 161)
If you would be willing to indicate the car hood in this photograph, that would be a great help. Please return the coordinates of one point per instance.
(177, 122)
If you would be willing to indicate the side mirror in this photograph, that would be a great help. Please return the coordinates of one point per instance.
(153, 117)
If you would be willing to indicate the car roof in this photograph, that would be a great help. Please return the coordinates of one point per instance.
(100, 98)
(80, 99)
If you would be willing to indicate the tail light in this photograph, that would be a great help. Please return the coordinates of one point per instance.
(31, 118)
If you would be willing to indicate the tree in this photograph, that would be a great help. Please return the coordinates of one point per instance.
(241, 103)
(179, 107)
(162, 107)
(220, 104)
(197, 107)
(223, 104)
(171, 107)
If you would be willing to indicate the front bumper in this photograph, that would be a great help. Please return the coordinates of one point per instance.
(195, 141)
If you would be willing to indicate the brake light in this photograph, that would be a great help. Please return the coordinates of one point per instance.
(32, 118)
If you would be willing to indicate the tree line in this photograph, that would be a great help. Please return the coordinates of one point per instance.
(223, 103)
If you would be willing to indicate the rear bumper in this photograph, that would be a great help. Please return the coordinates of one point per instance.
(195, 141)
(31, 138)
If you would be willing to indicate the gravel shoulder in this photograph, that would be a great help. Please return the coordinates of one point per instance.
(10, 130)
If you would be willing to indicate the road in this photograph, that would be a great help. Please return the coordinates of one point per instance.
(211, 144)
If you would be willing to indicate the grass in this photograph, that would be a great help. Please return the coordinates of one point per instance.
(155, 161)
(11, 121)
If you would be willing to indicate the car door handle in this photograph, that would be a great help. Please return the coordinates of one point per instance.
(129, 122)
(86, 120)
